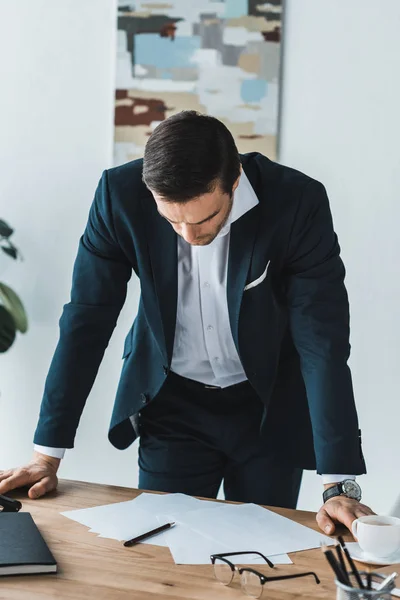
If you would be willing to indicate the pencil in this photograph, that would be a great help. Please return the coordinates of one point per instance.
(342, 563)
(330, 557)
(353, 567)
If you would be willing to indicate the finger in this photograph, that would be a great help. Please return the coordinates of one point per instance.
(362, 512)
(5, 474)
(16, 480)
(366, 509)
(42, 487)
(325, 522)
(347, 515)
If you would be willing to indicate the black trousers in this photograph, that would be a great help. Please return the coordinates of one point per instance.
(193, 438)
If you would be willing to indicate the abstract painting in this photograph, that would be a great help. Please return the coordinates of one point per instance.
(219, 57)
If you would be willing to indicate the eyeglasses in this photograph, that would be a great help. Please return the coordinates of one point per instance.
(251, 581)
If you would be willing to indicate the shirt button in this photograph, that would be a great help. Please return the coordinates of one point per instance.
(144, 398)
(216, 358)
(206, 284)
(210, 327)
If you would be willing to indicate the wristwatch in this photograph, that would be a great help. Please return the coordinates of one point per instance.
(348, 487)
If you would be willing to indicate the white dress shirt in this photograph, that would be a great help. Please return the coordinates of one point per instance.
(204, 349)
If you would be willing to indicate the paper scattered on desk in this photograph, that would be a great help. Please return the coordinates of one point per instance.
(125, 520)
(257, 528)
(202, 527)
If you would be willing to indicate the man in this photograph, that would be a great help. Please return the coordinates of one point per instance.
(236, 365)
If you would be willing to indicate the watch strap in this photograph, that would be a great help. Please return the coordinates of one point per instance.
(335, 490)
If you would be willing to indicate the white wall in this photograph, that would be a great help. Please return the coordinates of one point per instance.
(340, 124)
(56, 113)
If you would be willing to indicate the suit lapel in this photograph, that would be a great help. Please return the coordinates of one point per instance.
(162, 244)
(243, 235)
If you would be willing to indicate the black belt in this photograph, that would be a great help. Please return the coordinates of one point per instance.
(205, 386)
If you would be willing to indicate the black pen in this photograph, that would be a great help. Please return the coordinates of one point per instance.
(338, 549)
(149, 534)
(340, 576)
(351, 563)
(369, 580)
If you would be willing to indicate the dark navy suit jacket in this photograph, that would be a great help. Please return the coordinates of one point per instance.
(291, 331)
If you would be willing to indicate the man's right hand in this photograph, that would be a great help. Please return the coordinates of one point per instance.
(40, 475)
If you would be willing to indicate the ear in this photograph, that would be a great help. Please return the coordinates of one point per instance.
(237, 180)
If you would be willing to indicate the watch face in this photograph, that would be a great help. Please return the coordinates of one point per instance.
(351, 489)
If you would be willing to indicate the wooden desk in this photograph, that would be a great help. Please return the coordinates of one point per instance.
(91, 567)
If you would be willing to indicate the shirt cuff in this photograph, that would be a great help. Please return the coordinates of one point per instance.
(336, 478)
(48, 451)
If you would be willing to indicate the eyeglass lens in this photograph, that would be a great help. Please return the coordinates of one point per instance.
(223, 572)
(251, 584)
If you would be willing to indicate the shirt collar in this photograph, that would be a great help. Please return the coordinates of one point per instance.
(244, 199)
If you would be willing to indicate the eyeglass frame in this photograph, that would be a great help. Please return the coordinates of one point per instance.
(224, 554)
(263, 578)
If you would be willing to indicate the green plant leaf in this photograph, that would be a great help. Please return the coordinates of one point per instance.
(15, 307)
(5, 230)
(7, 329)
(10, 250)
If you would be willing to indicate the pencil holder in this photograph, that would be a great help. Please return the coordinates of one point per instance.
(344, 592)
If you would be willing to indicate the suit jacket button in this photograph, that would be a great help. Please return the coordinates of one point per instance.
(166, 370)
(144, 398)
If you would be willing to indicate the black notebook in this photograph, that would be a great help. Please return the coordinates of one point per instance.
(23, 551)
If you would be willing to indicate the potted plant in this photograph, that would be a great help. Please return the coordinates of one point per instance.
(12, 313)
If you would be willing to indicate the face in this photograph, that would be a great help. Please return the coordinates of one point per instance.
(198, 221)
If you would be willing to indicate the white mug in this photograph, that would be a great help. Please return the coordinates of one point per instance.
(378, 536)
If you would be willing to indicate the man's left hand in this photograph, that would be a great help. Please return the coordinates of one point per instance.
(340, 509)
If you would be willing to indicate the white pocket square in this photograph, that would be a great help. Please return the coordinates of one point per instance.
(259, 280)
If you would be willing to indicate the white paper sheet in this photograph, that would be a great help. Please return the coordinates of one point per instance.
(122, 523)
(190, 547)
(253, 528)
(125, 520)
(203, 527)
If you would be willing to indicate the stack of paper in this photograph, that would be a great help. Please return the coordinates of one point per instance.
(202, 527)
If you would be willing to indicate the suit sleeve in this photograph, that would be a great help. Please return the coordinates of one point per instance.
(319, 322)
(99, 285)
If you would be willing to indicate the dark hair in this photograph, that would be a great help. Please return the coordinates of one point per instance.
(188, 155)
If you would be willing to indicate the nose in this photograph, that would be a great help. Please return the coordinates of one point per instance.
(189, 233)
